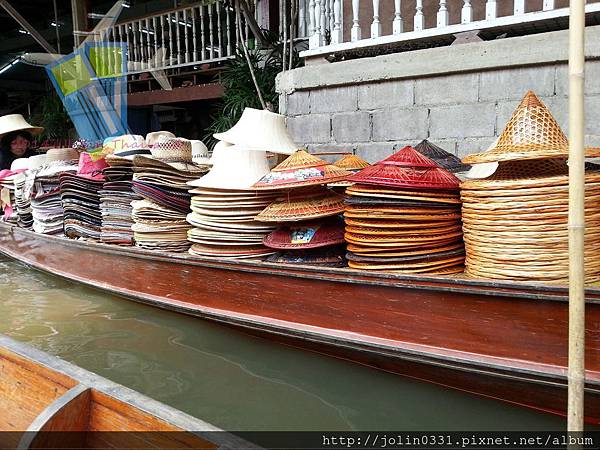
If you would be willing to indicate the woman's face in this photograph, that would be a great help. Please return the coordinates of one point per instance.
(19, 146)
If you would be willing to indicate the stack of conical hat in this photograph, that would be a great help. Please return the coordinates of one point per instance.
(403, 216)
(515, 221)
(445, 159)
(303, 210)
(351, 163)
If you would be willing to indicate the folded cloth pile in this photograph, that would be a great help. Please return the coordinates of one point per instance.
(403, 215)
(80, 197)
(160, 219)
(47, 210)
(7, 190)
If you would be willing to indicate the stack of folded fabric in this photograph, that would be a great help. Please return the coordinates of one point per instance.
(80, 197)
(117, 193)
(22, 200)
(160, 220)
(224, 203)
(7, 189)
(47, 210)
(443, 158)
(304, 206)
(515, 220)
(403, 216)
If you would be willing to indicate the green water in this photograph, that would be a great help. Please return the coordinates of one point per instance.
(225, 377)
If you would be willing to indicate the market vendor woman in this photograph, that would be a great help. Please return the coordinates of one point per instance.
(16, 137)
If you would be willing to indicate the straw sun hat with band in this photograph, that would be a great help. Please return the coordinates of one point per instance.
(15, 138)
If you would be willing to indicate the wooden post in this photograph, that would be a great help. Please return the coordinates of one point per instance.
(576, 374)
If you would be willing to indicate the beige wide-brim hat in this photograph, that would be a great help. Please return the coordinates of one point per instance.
(234, 168)
(61, 154)
(37, 161)
(262, 131)
(152, 138)
(200, 153)
(16, 122)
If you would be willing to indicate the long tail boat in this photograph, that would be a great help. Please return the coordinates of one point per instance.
(46, 402)
(499, 339)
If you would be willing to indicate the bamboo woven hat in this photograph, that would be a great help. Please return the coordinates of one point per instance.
(395, 224)
(442, 268)
(16, 122)
(422, 250)
(158, 166)
(445, 159)
(152, 138)
(299, 170)
(170, 149)
(307, 235)
(351, 162)
(302, 206)
(407, 169)
(61, 154)
(531, 133)
(262, 131)
(234, 168)
(220, 251)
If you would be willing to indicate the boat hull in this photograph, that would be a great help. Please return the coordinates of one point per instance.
(504, 340)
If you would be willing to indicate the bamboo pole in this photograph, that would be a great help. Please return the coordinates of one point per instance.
(576, 375)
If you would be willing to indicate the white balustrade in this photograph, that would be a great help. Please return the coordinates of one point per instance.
(548, 5)
(355, 33)
(376, 24)
(311, 17)
(397, 25)
(519, 7)
(419, 21)
(466, 15)
(316, 39)
(491, 10)
(337, 33)
(443, 16)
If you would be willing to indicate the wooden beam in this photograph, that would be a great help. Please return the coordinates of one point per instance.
(209, 91)
(21, 21)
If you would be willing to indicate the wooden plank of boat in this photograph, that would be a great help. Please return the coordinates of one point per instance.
(46, 402)
(505, 340)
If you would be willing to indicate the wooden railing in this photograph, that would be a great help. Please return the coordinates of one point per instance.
(200, 33)
(375, 23)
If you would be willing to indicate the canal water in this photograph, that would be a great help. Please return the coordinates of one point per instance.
(225, 377)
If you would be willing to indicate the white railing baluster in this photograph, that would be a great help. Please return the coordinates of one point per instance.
(186, 36)
(419, 17)
(203, 34)
(397, 26)
(170, 23)
(491, 10)
(311, 18)
(337, 36)
(355, 32)
(323, 20)
(467, 12)
(301, 18)
(376, 25)
(331, 16)
(219, 32)
(316, 40)
(548, 5)
(155, 38)
(442, 15)
(195, 35)
(178, 34)
(211, 51)
(228, 25)
(519, 7)
(327, 11)
(149, 45)
(136, 53)
(163, 36)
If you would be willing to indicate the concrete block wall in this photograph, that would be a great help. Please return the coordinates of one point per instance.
(462, 111)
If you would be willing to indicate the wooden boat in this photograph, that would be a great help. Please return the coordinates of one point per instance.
(504, 340)
(46, 402)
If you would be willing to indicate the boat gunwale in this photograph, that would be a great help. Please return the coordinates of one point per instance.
(90, 380)
(505, 288)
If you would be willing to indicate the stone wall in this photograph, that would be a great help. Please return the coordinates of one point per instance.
(458, 97)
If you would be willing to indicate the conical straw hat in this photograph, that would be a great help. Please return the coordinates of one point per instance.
(303, 206)
(531, 133)
(351, 162)
(260, 130)
(234, 168)
(445, 159)
(299, 170)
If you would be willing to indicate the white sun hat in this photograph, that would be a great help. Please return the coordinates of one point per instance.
(20, 164)
(37, 161)
(234, 168)
(218, 151)
(483, 170)
(262, 131)
(16, 122)
(199, 153)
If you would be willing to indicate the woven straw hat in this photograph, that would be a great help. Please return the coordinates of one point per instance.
(351, 162)
(407, 169)
(307, 235)
(234, 168)
(260, 130)
(172, 149)
(61, 154)
(531, 133)
(299, 170)
(152, 138)
(445, 159)
(298, 207)
(16, 122)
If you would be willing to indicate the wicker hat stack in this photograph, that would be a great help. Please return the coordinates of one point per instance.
(305, 211)
(161, 180)
(403, 215)
(351, 163)
(515, 221)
